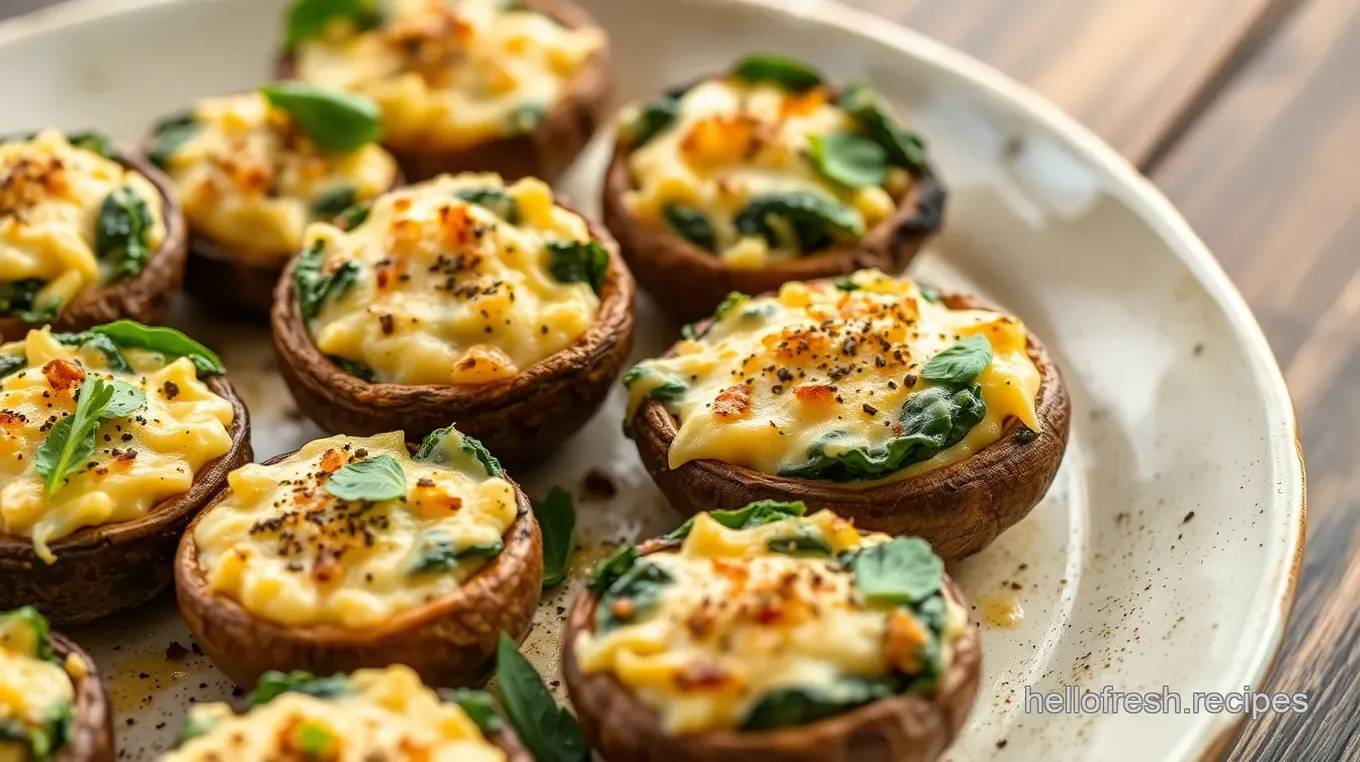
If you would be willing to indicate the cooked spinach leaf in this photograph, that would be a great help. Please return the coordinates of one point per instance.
(759, 513)
(960, 363)
(785, 707)
(113, 356)
(335, 201)
(25, 624)
(548, 731)
(336, 121)
(788, 73)
(669, 390)
(129, 334)
(308, 19)
(273, 684)
(438, 553)
(902, 147)
(195, 725)
(608, 571)
(19, 298)
(354, 368)
(11, 364)
(556, 516)
(93, 141)
(434, 449)
(43, 741)
(479, 707)
(578, 262)
(525, 119)
(902, 572)
(314, 286)
(121, 233)
(803, 541)
(632, 596)
(692, 225)
(805, 222)
(650, 120)
(848, 159)
(354, 216)
(929, 294)
(729, 303)
(499, 202)
(172, 132)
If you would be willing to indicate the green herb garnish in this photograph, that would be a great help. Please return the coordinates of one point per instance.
(789, 73)
(499, 202)
(335, 121)
(813, 221)
(578, 262)
(556, 516)
(71, 441)
(547, 730)
(439, 554)
(901, 572)
(129, 334)
(960, 363)
(308, 19)
(848, 159)
(902, 147)
(373, 479)
(334, 201)
(314, 286)
(273, 684)
(121, 233)
(759, 513)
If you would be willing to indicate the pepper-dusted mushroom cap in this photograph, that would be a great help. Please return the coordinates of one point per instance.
(762, 175)
(473, 86)
(91, 234)
(458, 299)
(907, 411)
(51, 697)
(114, 438)
(357, 552)
(762, 633)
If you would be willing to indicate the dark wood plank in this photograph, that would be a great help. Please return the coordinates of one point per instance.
(1270, 177)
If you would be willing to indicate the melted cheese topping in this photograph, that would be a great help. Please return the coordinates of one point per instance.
(389, 715)
(50, 196)
(289, 551)
(450, 74)
(138, 461)
(777, 374)
(448, 292)
(250, 178)
(734, 142)
(33, 691)
(740, 621)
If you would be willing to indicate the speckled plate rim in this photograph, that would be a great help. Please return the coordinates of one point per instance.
(1212, 734)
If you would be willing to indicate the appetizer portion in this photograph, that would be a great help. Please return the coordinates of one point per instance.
(457, 299)
(110, 441)
(908, 411)
(358, 552)
(763, 633)
(252, 170)
(87, 235)
(463, 85)
(372, 714)
(763, 175)
(52, 703)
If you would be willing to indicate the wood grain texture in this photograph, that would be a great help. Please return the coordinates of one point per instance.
(1270, 177)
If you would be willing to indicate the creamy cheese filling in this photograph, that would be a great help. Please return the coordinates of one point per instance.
(821, 368)
(442, 290)
(739, 621)
(451, 74)
(52, 195)
(288, 550)
(36, 689)
(249, 178)
(386, 715)
(734, 142)
(138, 460)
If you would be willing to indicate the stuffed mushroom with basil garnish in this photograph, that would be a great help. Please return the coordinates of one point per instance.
(763, 175)
(371, 714)
(503, 86)
(762, 633)
(87, 235)
(358, 552)
(252, 170)
(461, 299)
(53, 707)
(111, 440)
(908, 411)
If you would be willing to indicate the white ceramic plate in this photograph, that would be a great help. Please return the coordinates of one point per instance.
(1166, 552)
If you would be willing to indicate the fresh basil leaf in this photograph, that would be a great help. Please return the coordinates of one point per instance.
(902, 571)
(961, 363)
(650, 121)
(354, 368)
(93, 141)
(556, 516)
(848, 159)
(309, 19)
(28, 632)
(752, 515)
(11, 364)
(273, 684)
(439, 554)
(578, 262)
(608, 571)
(19, 298)
(803, 541)
(787, 707)
(434, 449)
(336, 121)
(479, 707)
(729, 303)
(172, 133)
(354, 216)
(315, 286)
(902, 147)
(633, 596)
(373, 479)
(334, 201)
(814, 221)
(692, 225)
(195, 725)
(525, 119)
(70, 441)
(121, 233)
(786, 72)
(499, 202)
(547, 730)
(158, 338)
(846, 283)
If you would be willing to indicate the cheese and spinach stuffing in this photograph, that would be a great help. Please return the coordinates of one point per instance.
(354, 530)
(98, 427)
(251, 176)
(371, 714)
(447, 74)
(767, 163)
(37, 689)
(457, 280)
(861, 379)
(762, 617)
(72, 219)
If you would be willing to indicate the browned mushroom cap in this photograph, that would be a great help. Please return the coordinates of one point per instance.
(546, 152)
(910, 727)
(107, 568)
(519, 419)
(144, 297)
(449, 641)
(688, 282)
(91, 738)
(959, 508)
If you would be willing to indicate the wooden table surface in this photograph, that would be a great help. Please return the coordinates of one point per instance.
(1247, 113)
